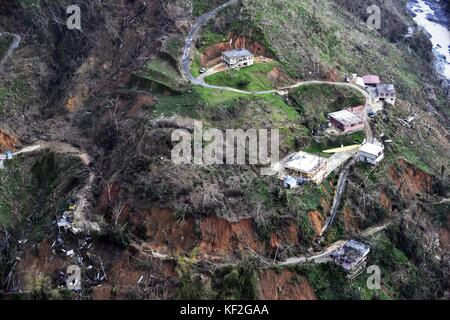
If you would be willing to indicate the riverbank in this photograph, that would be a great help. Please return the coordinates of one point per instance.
(432, 17)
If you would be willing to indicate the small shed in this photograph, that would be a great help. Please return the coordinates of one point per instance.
(346, 121)
(371, 153)
(371, 80)
(290, 182)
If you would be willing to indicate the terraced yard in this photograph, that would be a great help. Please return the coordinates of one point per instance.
(253, 78)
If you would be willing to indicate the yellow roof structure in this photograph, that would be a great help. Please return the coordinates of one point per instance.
(343, 149)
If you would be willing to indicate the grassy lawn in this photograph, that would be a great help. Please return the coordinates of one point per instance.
(209, 37)
(253, 78)
(162, 72)
(196, 66)
(184, 105)
(335, 142)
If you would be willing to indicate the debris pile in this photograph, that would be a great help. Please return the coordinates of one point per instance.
(72, 244)
(352, 257)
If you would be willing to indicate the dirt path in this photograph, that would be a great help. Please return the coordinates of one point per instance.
(58, 147)
(13, 46)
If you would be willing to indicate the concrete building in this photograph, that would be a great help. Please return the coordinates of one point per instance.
(371, 153)
(238, 58)
(346, 121)
(306, 166)
(371, 80)
(352, 256)
(385, 92)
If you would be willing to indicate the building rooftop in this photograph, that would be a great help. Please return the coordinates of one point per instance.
(371, 148)
(371, 79)
(303, 162)
(346, 117)
(351, 254)
(237, 53)
(385, 89)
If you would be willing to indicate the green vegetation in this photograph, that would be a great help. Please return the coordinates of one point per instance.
(5, 42)
(209, 37)
(331, 283)
(174, 45)
(14, 93)
(315, 101)
(161, 73)
(306, 32)
(334, 142)
(5, 215)
(184, 104)
(196, 65)
(440, 213)
(14, 192)
(201, 7)
(253, 78)
(400, 278)
(29, 3)
(239, 282)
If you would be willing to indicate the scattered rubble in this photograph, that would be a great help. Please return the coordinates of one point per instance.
(352, 257)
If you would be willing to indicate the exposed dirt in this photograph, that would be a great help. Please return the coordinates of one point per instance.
(279, 78)
(285, 286)
(220, 237)
(287, 235)
(213, 52)
(129, 275)
(317, 221)
(410, 179)
(385, 201)
(7, 141)
(39, 261)
(163, 232)
(350, 221)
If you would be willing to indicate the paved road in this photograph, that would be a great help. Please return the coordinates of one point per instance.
(14, 44)
(201, 21)
(58, 147)
(337, 197)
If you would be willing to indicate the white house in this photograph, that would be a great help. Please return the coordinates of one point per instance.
(371, 153)
(238, 58)
(385, 92)
(306, 166)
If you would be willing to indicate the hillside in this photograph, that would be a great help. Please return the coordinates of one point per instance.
(107, 101)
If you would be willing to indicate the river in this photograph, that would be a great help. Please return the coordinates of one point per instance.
(430, 15)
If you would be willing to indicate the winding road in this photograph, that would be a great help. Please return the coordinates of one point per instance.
(84, 193)
(369, 136)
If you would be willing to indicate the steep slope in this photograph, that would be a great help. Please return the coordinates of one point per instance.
(185, 231)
